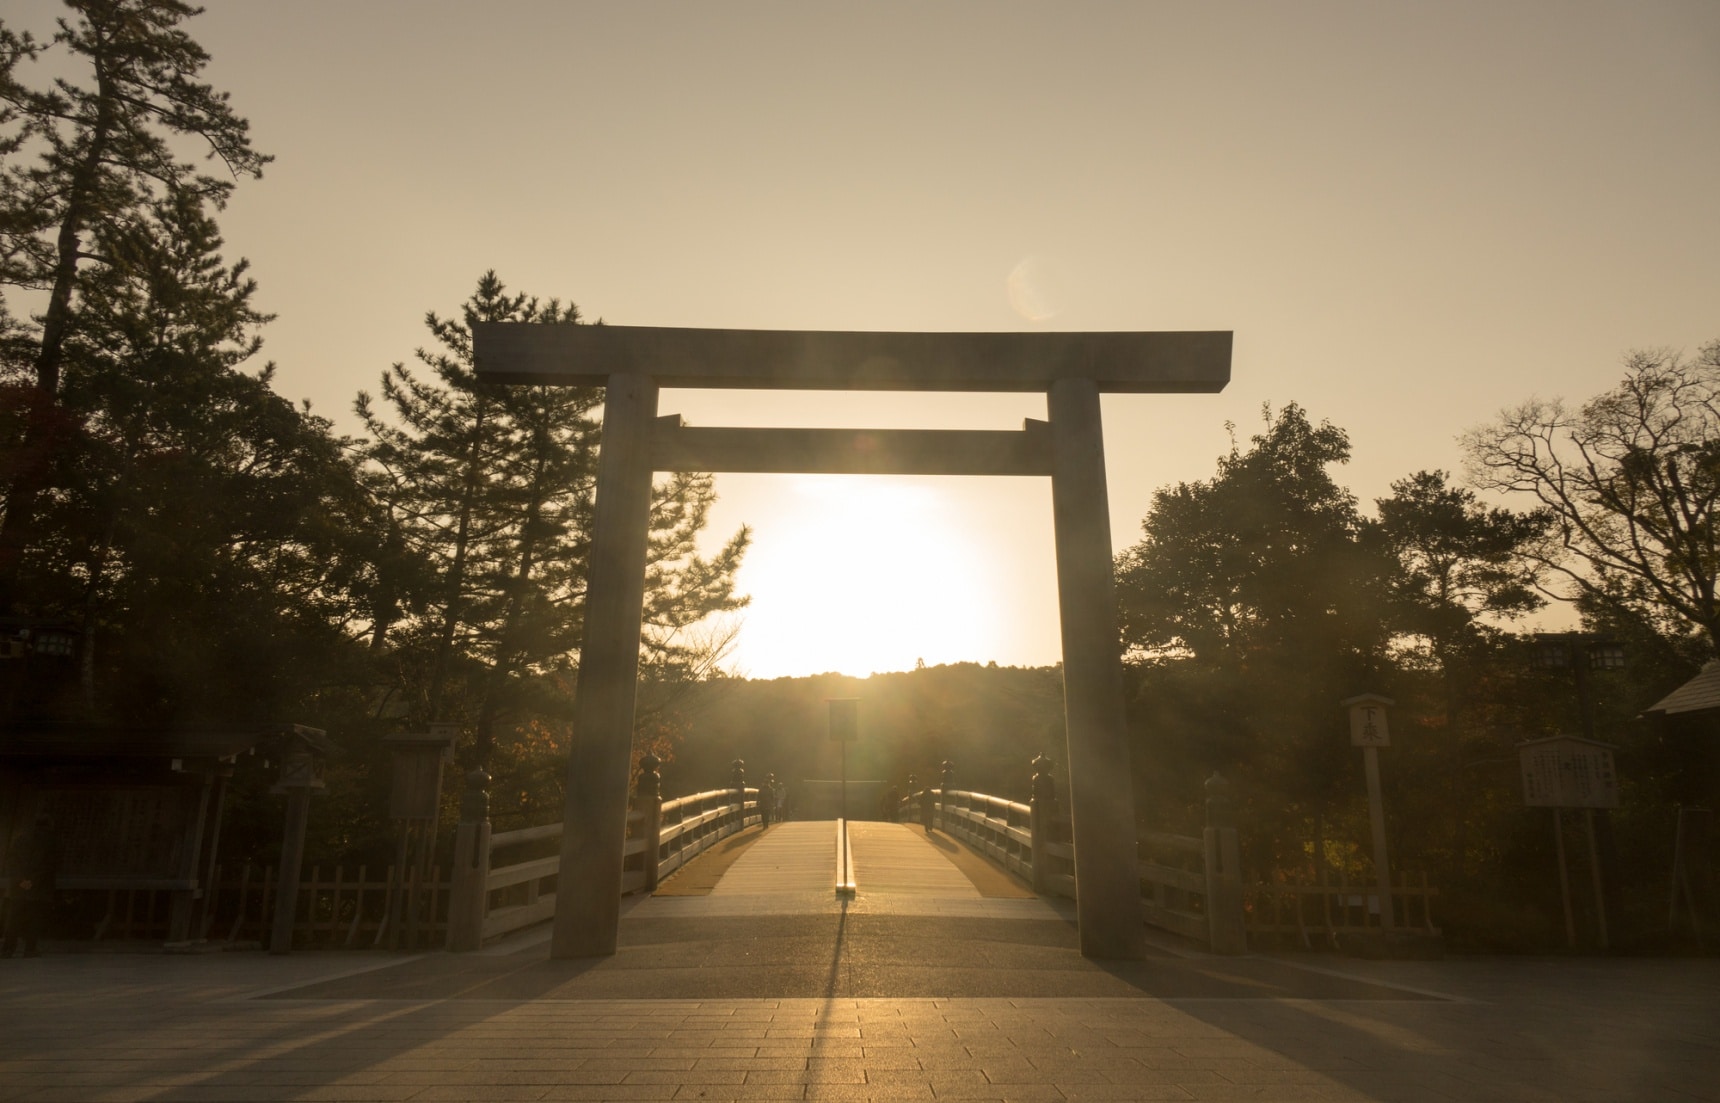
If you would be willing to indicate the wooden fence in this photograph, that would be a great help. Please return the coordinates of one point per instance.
(503, 882)
(1310, 913)
(338, 907)
(1190, 885)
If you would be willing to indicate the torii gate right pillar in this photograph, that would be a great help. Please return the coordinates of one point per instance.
(1101, 795)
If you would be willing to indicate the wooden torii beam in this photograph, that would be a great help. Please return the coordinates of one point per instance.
(633, 363)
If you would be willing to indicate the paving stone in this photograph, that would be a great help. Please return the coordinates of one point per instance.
(1023, 1018)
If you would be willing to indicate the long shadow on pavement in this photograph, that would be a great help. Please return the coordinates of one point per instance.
(845, 955)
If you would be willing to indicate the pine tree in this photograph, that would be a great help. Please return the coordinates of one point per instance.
(215, 538)
(87, 160)
(494, 485)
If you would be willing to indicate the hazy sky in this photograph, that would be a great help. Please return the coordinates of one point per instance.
(1411, 215)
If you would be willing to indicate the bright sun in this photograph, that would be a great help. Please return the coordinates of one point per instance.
(873, 574)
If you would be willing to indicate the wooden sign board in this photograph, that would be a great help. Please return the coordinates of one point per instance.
(1568, 772)
(415, 792)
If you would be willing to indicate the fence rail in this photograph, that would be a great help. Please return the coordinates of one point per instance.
(998, 828)
(1189, 885)
(1326, 911)
(505, 881)
(337, 908)
(491, 898)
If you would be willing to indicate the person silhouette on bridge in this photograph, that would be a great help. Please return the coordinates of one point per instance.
(928, 805)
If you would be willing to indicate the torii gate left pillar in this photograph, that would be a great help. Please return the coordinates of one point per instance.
(1072, 369)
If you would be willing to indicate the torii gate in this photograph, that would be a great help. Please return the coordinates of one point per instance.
(631, 363)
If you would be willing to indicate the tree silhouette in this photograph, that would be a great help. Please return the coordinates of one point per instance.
(493, 486)
(1632, 481)
(92, 157)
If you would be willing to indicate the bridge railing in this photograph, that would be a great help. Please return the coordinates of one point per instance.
(490, 897)
(1000, 829)
(1191, 885)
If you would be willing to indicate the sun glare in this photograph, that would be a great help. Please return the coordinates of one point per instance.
(872, 575)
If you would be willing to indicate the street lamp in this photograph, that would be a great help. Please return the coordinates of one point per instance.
(1579, 653)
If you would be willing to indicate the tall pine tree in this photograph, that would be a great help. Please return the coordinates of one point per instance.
(88, 156)
(493, 485)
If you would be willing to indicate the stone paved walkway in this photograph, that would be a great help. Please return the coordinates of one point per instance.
(706, 1007)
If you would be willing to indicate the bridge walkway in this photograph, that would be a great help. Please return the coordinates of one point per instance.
(788, 869)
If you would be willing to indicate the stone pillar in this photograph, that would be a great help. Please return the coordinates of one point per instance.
(469, 891)
(1040, 825)
(298, 781)
(1226, 930)
(1101, 791)
(648, 798)
(183, 901)
(594, 819)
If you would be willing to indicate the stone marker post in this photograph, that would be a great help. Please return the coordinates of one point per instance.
(468, 894)
(1226, 931)
(299, 780)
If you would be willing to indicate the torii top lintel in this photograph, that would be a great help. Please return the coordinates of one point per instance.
(587, 355)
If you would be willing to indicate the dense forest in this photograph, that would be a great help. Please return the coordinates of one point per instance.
(217, 555)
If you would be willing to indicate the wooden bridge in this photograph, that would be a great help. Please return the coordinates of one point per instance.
(1190, 886)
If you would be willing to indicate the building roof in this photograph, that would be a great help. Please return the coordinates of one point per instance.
(1699, 694)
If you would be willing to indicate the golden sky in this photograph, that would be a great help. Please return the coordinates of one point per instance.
(1411, 214)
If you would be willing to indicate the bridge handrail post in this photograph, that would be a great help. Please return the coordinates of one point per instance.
(1039, 821)
(468, 895)
(1226, 929)
(648, 798)
(946, 785)
(738, 779)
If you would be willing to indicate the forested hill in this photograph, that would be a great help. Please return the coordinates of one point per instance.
(990, 721)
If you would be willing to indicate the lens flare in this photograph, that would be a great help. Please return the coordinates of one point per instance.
(1035, 289)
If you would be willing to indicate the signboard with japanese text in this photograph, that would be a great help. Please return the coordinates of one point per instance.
(1568, 772)
(1368, 725)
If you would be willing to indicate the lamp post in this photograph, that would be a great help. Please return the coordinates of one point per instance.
(844, 729)
(1579, 653)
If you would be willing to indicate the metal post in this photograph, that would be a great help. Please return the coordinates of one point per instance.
(594, 819)
(1101, 787)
